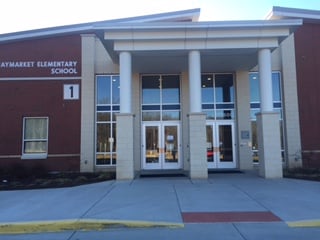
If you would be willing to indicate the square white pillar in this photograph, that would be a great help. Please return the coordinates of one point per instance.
(87, 157)
(270, 161)
(125, 151)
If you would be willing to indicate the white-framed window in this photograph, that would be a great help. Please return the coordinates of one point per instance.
(107, 106)
(35, 137)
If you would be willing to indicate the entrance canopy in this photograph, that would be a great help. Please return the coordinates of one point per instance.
(224, 46)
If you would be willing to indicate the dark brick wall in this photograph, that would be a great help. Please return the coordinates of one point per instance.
(307, 39)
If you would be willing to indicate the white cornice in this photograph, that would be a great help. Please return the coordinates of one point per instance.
(289, 13)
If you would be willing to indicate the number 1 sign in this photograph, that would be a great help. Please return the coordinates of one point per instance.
(71, 91)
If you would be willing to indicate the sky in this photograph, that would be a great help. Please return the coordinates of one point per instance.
(20, 15)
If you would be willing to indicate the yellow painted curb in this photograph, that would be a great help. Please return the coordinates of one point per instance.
(78, 225)
(305, 223)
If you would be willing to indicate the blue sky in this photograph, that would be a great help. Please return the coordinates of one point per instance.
(19, 15)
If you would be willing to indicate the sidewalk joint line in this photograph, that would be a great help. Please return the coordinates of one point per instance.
(98, 201)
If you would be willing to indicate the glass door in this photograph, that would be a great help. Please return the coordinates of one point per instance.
(161, 148)
(220, 145)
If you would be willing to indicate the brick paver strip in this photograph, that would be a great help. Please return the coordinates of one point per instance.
(215, 217)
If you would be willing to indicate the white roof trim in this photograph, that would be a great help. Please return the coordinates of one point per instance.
(204, 25)
(281, 13)
(191, 15)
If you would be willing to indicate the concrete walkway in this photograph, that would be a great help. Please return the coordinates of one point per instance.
(226, 206)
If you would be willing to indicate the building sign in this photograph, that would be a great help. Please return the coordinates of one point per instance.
(52, 67)
(54, 57)
(71, 91)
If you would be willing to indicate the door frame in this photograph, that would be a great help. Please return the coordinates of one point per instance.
(161, 165)
(217, 164)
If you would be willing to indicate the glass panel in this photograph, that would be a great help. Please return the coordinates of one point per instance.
(253, 113)
(150, 90)
(224, 88)
(35, 147)
(114, 158)
(115, 90)
(150, 116)
(171, 144)
(225, 114)
(254, 87)
(210, 143)
(114, 139)
(103, 135)
(254, 141)
(225, 143)
(170, 89)
(207, 93)
(152, 144)
(103, 116)
(210, 114)
(276, 93)
(281, 134)
(35, 128)
(170, 115)
(103, 159)
(103, 90)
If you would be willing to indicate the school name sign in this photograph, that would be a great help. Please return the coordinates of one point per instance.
(51, 67)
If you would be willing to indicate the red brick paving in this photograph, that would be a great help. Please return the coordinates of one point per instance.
(215, 217)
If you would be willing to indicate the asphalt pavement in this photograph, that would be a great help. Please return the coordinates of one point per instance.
(225, 206)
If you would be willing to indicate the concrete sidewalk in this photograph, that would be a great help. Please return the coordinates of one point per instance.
(239, 206)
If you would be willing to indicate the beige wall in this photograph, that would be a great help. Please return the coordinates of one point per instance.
(243, 120)
(290, 104)
(87, 104)
(185, 105)
(136, 106)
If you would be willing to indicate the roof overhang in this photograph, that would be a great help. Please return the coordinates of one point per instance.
(229, 45)
(290, 13)
(190, 15)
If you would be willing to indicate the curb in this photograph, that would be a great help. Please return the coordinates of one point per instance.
(78, 225)
(305, 223)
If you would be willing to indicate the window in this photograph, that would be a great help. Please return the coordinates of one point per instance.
(217, 92)
(160, 97)
(255, 108)
(107, 105)
(35, 137)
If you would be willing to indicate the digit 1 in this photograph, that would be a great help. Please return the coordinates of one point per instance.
(71, 91)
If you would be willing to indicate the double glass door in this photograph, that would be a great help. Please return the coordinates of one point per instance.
(161, 147)
(220, 145)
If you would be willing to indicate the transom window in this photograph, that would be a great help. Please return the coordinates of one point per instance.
(107, 105)
(35, 137)
(217, 93)
(160, 97)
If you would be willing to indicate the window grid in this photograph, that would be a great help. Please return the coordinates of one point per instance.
(35, 137)
(107, 105)
(255, 108)
(158, 104)
(217, 104)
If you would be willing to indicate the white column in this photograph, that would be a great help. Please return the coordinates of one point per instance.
(195, 81)
(125, 82)
(265, 76)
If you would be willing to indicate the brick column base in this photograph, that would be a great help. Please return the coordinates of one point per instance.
(197, 146)
(270, 162)
(125, 138)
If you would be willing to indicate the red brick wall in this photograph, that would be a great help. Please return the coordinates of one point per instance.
(307, 39)
(35, 92)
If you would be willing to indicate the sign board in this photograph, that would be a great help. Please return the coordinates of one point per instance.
(71, 91)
